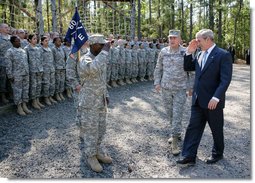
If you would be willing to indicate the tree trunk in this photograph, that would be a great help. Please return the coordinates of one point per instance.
(39, 17)
(172, 16)
(48, 15)
(12, 16)
(211, 15)
(236, 19)
(191, 22)
(132, 25)
(150, 11)
(54, 15)
(60, 17)
(220, 24)
(159, 18)
(139, 20)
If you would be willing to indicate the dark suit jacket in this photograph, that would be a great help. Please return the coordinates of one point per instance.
(214, 79)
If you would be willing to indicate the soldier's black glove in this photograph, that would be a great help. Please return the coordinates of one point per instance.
(107, 46)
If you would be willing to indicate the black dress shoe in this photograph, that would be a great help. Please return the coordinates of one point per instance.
(214, 159)
(187, 161)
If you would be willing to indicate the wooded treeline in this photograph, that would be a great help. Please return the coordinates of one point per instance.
(229, 19)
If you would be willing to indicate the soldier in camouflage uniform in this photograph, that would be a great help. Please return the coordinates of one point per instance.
(35, 71)
(5, 44)
(151, 54)
(21, 34)
(60, 65)
(67, 49)
(18, 72)
(134, 63)
(109, 67)
(172, 79)
(141, 62)
(121, 61)
(115, 65)
(128, 63)
(93, 99)
(48, 82)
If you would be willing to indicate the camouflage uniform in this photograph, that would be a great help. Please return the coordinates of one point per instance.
(91, 112)
(59, 60)
(72, 76)
(109, 67)
(151, 53)
(23, 43)
(169, 74)
(67, 51)
(134, 62)
(5, 44)
(115, 64)
(141, 62)
(121, 62)
(48, 72)
(35, 71)
(128, 63)
(18, 70)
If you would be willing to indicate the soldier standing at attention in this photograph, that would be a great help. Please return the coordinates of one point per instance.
(18, 72)
(35, 71)
(5, 44)
(93, 100)
(172, 79)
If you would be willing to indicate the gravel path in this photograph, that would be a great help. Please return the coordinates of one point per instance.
(46, 144)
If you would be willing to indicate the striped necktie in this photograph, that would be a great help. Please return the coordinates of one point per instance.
(204, 59)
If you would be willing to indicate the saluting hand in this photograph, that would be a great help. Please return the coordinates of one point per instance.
(192, 46)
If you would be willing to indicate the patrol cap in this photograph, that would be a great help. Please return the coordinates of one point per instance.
(174, 33)
(96, 38)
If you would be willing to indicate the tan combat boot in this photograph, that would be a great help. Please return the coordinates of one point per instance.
(47, 100)
(35, 105)
(25, 109)
(122, 82)
(4, 99)
(61, 96)
(175, 148)
(20, 110)
(114, 84)
(52, 100)
(69, 92)
(57, 97)
(39, 103)
(128, 81)
(104, 159)
(170, 140)
(94, 164)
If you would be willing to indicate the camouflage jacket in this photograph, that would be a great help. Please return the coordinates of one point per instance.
(48, 60)
(34, 59)
(92, 72)
(17, 64)
(169, 72)
(59, 57)
(5, 44)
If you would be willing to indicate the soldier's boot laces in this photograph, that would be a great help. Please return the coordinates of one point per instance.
(4, 99)
(57, 97)
(39, 103)
(175, 149)
(69, 93)
(94, 164)
(20, 110)
(61, 96)
(25, 109)
(35, 105)
(52, 100)
(47, 100)
(104, 159)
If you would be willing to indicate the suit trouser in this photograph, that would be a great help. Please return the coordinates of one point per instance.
(195, 129)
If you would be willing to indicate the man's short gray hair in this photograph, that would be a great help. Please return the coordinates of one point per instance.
(205, 33)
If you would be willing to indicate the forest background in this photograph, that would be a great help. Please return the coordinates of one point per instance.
(229, 19)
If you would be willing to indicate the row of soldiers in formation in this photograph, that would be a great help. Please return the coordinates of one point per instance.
(39, 70)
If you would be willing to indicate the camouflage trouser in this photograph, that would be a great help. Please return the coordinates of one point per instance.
(174, 101)
(114, 73)
(35, 84)
(20, 87)
(121, 71)
(92, 124)
(60, 80)
(48, 84)
(128, 71)
(134, 70)
(109, 70)
(3, 86)
(142, 69)
(150, 69)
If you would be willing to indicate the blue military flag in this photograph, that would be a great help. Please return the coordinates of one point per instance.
(76, 31)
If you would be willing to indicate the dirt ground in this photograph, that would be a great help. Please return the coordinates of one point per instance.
(45, 144)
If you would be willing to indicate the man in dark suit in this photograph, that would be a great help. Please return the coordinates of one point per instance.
(213, 68)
